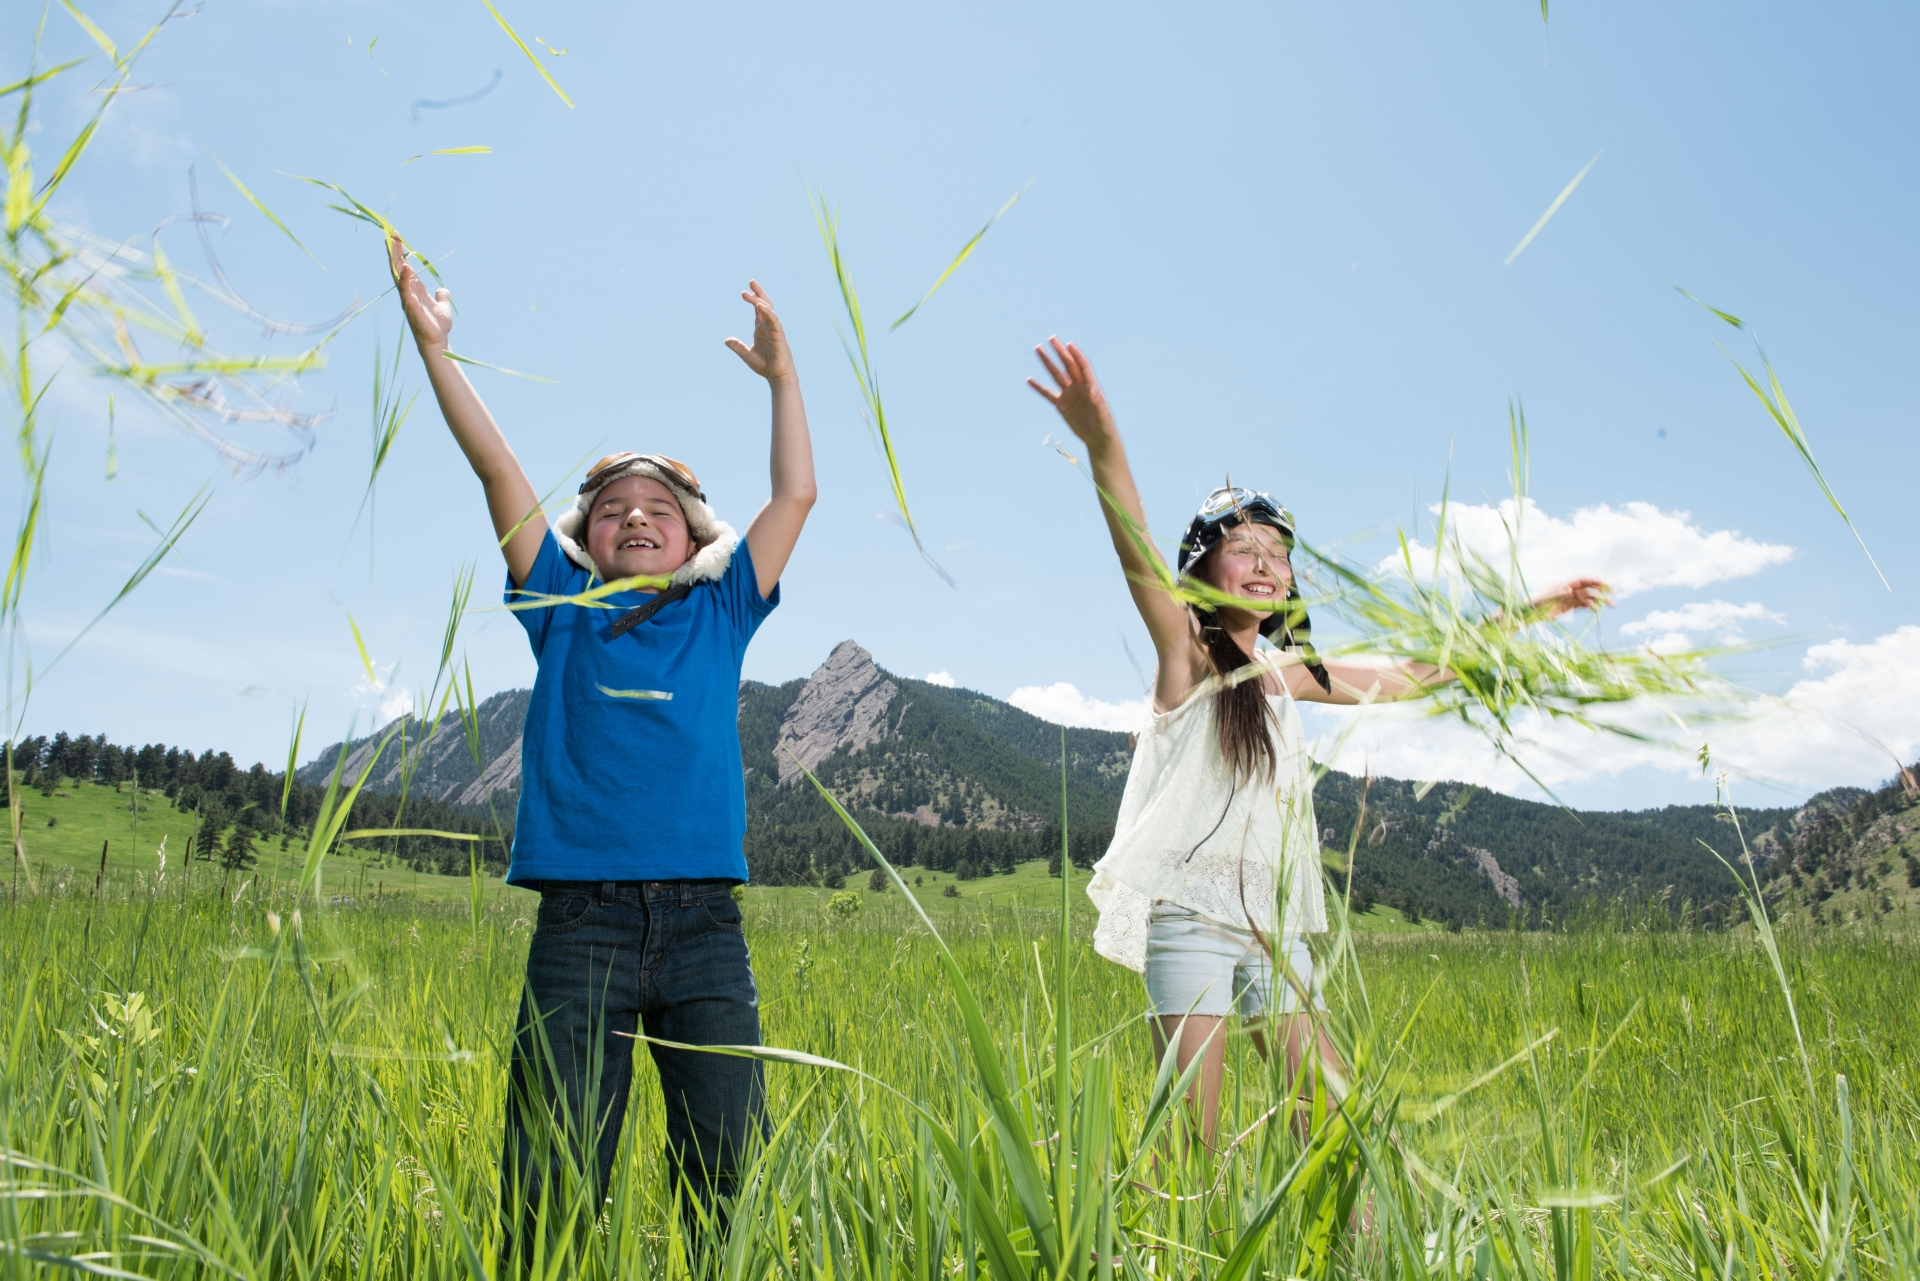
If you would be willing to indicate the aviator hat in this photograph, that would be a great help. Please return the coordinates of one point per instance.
(713, 538)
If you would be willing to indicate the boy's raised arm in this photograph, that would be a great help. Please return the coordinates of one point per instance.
(774, 531)
(517, 519)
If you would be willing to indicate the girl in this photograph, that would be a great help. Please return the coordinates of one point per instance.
(1214, 870)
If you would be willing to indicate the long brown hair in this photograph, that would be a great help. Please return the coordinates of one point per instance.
(1240, 706)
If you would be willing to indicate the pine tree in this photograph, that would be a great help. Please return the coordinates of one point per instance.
(240, 853)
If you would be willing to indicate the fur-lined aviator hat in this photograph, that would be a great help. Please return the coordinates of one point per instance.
(713, 538)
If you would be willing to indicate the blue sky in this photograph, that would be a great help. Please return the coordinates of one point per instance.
(1278, 230)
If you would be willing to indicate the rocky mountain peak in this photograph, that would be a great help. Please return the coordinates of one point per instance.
(844, 704)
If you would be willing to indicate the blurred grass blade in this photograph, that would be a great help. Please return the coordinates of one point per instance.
(40, 77)
(256, 202)
(293, 761)
(515, 37)
(1009, 1119)
(965, 252)
(380, 833)
(366, 660)
(1788, 422)
(1553, 208)
(389, 415)
(499, 369)
(334, 811)
(448, 151)
(99, 36)
(181, 524)
(876, 412)
(375, 218)
(652, 695)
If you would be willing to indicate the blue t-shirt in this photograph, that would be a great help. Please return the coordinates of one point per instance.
(618, 781)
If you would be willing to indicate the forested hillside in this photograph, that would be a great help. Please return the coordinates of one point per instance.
(239, 805)
(955, 780)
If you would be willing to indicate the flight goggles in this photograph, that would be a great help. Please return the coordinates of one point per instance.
(674, 469)
(1243, 505)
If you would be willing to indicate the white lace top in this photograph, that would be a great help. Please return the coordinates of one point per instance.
(1188, 834)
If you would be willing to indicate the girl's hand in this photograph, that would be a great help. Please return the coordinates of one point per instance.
(430, 317)
(1079, 398)
(769, 356)
(1581, 593)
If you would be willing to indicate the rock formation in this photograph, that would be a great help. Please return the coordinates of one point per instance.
(503, 775)
(1504, 884)
(844, 704)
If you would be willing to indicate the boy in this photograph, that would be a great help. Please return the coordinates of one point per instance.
(632, 802)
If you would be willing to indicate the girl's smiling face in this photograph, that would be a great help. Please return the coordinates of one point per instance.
(636, 528)
(1251, 561)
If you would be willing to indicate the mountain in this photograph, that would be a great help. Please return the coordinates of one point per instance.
(955, 779)
(1847, 855)
(443, 766)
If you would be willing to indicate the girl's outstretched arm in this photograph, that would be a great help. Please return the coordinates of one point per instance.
(1350, 683)
(1076, 394)
(776, 528)
(517, 519)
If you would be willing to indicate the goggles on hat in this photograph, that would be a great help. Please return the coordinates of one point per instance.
(1243, 505)
(1224, 509)
(679, 471)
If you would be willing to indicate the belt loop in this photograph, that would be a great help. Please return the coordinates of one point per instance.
(686, 894)
(606, 893)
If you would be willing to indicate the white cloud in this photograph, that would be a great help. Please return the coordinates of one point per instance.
(1636, 547)
(1063, 704)
(1721, 618)
(1845, 723)
(939, 678)
(395, 705)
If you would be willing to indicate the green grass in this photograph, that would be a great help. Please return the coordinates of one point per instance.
(325, 1099)
(67, 850)
(85, 814)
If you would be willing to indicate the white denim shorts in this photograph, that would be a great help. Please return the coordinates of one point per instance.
(1199, 966)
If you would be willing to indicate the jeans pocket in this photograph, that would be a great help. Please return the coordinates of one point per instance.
(722, 912)
(565, 912)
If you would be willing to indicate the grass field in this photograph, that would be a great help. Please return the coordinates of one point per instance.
(86, 815)
(194, 1087)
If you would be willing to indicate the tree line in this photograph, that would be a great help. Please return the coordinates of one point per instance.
(240, 810)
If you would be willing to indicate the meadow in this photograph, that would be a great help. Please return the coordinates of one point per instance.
(194, 1086)
(298, 1070)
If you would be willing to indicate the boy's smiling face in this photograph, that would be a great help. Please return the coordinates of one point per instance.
(636, 527)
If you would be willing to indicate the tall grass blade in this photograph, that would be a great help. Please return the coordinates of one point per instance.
(99, 37)
(499, 369)
(1778, 409)
(1558, 200)
(256, 202)
(514, 36)
(828, 223)
(181, 524)
(966, 251)
(448, 151)
(293, 761)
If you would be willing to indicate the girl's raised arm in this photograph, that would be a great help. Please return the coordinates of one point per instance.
(1076, 394)
(517, 519)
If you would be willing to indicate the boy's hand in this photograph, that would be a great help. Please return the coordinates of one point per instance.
(769, 356)
(429, 316)
(1079, 398)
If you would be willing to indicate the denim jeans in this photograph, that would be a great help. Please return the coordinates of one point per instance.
(664, 957)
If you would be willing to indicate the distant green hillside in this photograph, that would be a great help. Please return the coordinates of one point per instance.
(957, 783)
